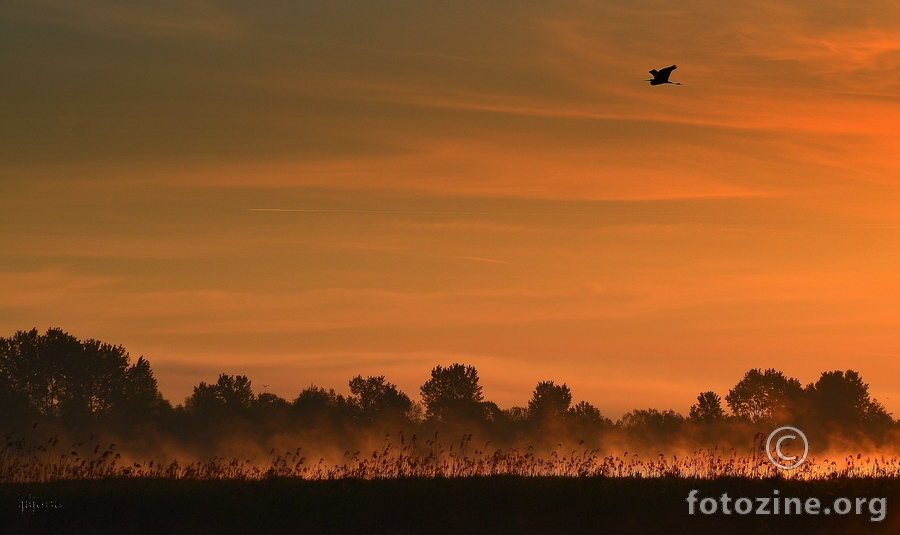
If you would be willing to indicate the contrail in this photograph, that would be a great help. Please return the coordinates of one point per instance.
(480, 259)
(342, 211)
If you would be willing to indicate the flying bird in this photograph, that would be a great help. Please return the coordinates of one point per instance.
(662, 76)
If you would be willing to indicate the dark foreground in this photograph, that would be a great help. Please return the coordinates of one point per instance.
(503, 504)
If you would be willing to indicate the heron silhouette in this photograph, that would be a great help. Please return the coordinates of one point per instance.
(662, 76)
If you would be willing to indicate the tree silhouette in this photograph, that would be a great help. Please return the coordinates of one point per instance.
(764, 396)
(230, 395)
(318, 404)
(708, 408)
(268, 401)
(37, 367)
(586, 417)
(14, 406)
(374, 398)
(549, 400)
(452, 392)
(60, 376)
(842, 399)
(651, 425)
(87, 387)
(516, 414)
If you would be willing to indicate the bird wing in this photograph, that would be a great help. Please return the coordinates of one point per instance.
(667, 71)
(654, 72)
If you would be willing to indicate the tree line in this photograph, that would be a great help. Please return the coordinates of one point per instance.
(86, 384)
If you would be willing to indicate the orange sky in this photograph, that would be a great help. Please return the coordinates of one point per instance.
(306, 191)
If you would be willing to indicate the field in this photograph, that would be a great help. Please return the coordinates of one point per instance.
(494, 504)
(411, 487)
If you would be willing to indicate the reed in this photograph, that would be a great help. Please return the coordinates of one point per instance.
(22, 462)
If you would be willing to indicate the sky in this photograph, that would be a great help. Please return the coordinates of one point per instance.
(301, 191)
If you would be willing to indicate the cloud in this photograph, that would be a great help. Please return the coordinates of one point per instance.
(486, 181)
(129, 20)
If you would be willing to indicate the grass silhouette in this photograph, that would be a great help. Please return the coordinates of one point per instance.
(21, 462)
(412, 486)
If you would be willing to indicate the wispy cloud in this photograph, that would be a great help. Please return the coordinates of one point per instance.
(479, 259)
(332, 187)
(127, 21)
